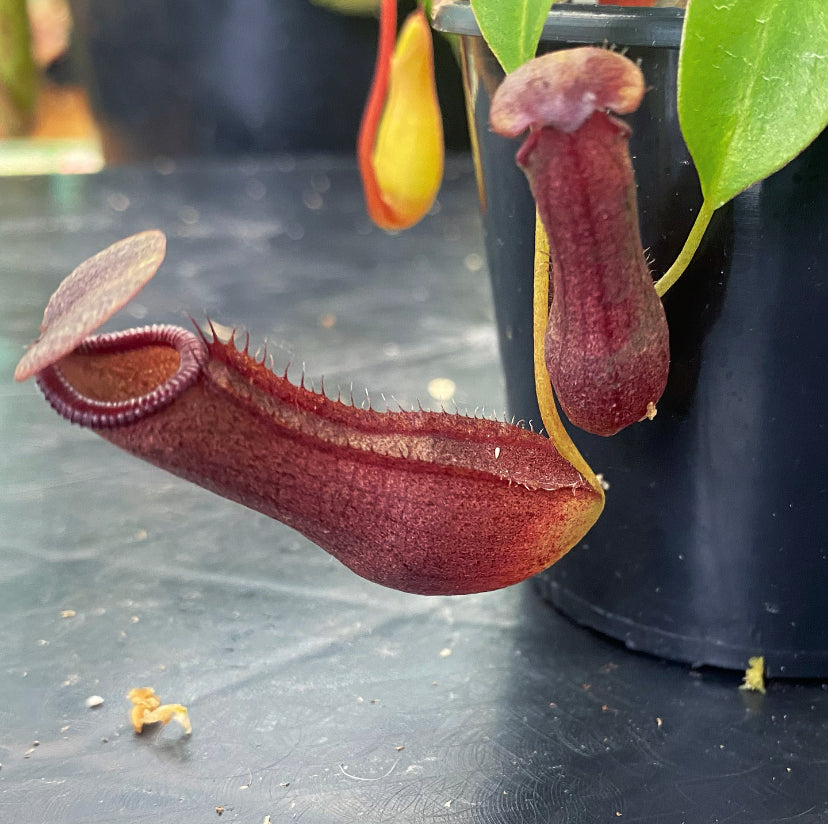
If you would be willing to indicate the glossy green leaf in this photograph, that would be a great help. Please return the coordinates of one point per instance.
(752, 88)
(512, 28)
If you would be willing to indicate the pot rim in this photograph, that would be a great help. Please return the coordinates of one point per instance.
(616, 25)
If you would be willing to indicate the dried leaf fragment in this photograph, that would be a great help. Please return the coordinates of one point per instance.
(148, 709)
(755, 675)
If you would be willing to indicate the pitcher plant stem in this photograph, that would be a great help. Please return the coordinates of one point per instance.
(689, 249)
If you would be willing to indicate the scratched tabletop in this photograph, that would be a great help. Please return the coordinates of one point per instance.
(316, 696)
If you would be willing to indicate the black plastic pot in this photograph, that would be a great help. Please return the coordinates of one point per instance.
(714, 543)
(188, 77)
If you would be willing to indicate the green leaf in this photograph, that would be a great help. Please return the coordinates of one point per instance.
(752, 88)
(512, 28)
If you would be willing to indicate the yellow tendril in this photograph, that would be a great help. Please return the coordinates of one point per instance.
(543, 388)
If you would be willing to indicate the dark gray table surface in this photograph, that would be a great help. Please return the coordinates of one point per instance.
(316, 696)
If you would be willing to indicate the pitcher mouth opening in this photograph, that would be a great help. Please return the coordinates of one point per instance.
(115, 379)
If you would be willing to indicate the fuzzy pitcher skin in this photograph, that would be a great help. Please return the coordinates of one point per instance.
(424, 502)
(607, 343)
